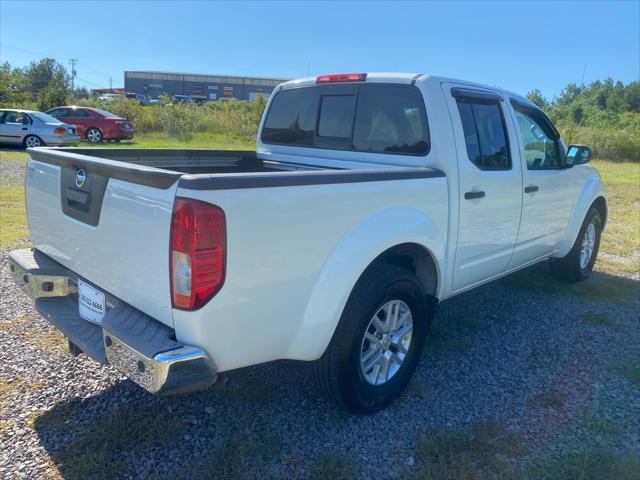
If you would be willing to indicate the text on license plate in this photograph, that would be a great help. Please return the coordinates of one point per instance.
(91, 305)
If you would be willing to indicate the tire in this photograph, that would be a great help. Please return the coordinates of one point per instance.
(94, 135)
(578, 264)
(341, 373)
(32, 141)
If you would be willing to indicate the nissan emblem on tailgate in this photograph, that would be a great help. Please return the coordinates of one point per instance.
(81, 177)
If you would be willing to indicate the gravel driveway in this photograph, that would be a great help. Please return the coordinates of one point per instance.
(551, 369)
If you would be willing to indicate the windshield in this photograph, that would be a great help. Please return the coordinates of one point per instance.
(106, 114)
(44, 118)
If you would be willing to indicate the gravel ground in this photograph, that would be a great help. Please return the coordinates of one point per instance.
(548, 367)
(12, 173)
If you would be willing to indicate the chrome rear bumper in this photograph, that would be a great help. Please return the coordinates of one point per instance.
(155, 361)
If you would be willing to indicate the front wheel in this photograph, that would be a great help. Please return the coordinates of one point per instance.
(378, 342)
(578, 264)
(94, 135)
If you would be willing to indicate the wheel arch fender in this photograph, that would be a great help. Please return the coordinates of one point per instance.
(354, 253)
(592, 193)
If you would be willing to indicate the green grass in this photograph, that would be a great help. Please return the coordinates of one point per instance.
(630, 368)
(600, 464)
(13, 155)
(201, 140)
(546, 400)
(479, 452)
(488, 450)
(598, 319)
(13, 219)
(100, 449)
(332, 465)
(620, 243)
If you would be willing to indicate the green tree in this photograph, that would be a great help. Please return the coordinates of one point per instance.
(536, 97)
(48, 81)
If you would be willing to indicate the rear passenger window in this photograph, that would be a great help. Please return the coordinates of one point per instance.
(292, 118)
(390, 119)
(485, 133)
(336, 115)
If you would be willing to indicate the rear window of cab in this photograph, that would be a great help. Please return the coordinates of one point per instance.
(364, 118)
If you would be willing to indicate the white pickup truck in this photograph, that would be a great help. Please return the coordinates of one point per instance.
(370, 198)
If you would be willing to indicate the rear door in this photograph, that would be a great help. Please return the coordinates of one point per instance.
(91, 217)
(548, 195)
(490, 184)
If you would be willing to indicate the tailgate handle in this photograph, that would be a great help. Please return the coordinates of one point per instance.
(77, 198)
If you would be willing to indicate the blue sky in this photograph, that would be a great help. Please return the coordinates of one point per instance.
(517, 46)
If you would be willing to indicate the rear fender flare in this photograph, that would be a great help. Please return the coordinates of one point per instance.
(348, 260)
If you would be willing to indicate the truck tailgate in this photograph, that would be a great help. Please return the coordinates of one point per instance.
(107, 223)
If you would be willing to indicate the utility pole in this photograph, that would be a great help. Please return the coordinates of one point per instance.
(73, 62)
(110, 83)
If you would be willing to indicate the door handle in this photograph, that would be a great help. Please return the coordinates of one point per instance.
(472, 195)
(25, 128)
(531, 189)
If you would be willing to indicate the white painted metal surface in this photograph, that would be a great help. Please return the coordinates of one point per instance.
(126, 254)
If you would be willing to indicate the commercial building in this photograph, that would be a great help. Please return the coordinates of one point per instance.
(197, 86)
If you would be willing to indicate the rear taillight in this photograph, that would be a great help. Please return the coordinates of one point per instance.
(60, 131)
(197, 252)
(342, 77)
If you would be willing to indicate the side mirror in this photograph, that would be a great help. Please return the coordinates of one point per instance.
(577, 155)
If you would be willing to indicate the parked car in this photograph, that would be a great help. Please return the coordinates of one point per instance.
(35, 129)
(108, 97)
(94, 124)
(370, 198)
(183, 99)
(141, 99)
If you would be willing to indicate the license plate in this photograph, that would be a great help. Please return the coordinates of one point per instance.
(91, 305)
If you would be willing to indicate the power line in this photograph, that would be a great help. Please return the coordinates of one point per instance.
(90, 83)
(72, 61)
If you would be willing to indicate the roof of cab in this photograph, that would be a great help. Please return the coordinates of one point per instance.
(399, 78)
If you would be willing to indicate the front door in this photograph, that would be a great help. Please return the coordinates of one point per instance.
(490, 184)
(14, 126)
(548, 194)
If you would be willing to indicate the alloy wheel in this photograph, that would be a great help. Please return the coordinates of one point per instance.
(386, 342)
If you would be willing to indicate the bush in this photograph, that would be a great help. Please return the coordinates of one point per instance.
(617, 140)
(181, 120)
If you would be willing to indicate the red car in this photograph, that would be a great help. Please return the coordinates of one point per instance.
(94, 124)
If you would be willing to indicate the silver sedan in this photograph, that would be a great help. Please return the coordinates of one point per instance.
(35, 129)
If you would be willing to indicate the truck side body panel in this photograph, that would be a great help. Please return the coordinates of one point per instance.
(280, 240)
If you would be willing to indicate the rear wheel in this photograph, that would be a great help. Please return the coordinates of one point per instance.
(94, 135)
(378, 342)
(31, 141)
(578, 264)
